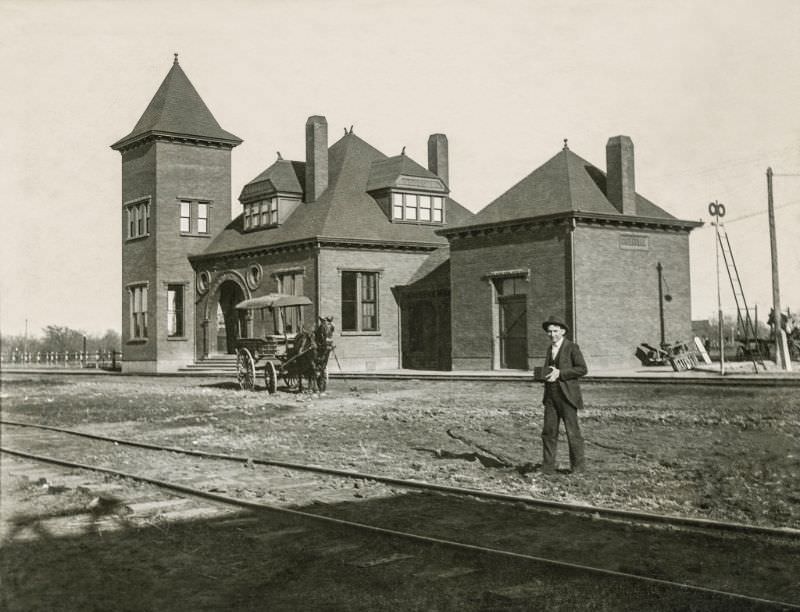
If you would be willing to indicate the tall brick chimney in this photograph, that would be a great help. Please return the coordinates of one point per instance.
(437, 157)
(620, 180)
(316, 157)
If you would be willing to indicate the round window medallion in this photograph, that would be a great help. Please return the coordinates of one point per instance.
(254, 274)
(203, 281)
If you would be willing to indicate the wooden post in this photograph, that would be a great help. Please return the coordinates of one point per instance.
(782, 359)
(660, 305)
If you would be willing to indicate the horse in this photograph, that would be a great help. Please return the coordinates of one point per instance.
(323, 337)
(303, 358)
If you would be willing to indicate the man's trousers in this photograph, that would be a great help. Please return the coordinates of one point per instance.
(557, 409)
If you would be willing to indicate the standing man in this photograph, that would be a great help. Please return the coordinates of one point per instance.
(564, 365)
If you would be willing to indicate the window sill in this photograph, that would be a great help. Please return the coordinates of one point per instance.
(137, 341)
(191, 235)
(177, 338)
(137, 238)
(417, 222)
(361, 333)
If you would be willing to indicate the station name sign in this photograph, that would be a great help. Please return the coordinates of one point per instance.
(634, 242)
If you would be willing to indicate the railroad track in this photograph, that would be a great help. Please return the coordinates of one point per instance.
(220, 484)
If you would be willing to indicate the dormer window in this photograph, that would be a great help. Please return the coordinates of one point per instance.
(263, 213)
(417, 207)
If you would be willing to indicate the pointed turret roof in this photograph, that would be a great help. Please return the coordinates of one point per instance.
(566, 184)
(177, 110)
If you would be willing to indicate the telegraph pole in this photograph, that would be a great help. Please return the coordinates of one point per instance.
(718, 210)
(661, 305)
(782, 359)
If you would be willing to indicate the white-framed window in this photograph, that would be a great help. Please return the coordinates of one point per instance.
(138, 221)
(438, 209)
(417, 207)
(359, 301)
(194, 217)
(291, 283)
(186, 217)
(137, 295)
(202, 218)
(175, 311)
(424, 207)
(511, 285)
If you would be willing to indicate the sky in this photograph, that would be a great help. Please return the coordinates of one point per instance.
(708, 90)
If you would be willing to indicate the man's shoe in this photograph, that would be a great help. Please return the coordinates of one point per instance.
(579, 469)
(548, 469)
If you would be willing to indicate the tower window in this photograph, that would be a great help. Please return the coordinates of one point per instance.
(186, 217)
(175, 313)
(194, 217)
(138, 311)
(202, 218)
(138, 219)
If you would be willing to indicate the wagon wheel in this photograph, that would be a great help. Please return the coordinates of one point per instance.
(271, 377)
(246, 370)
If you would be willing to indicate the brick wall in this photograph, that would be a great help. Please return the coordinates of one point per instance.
(366, 351)
(543, 251)
(301, 260)
(167, 172)
(139, 254)
(194, 173)
(617, 291)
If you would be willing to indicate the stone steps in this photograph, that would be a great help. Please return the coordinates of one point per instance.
(216, 364)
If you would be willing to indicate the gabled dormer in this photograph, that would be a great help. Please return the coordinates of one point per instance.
(406, 191)
(270, 198)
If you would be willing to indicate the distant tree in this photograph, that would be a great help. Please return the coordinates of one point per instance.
(110, 341)
(60, 339)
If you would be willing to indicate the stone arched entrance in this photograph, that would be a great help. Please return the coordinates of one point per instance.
(223, 323)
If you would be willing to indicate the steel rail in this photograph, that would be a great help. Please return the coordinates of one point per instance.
(618, 513)
(681, 378)
(241, 503)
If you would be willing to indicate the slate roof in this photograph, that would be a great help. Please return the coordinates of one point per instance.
(439, 257)
(565, 183)
(344, 211)
(386, 172)
(177, 110)
(284, 176)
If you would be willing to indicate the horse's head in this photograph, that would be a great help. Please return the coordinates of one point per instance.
(324, 330)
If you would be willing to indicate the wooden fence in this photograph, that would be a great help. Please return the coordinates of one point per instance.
(108, 360)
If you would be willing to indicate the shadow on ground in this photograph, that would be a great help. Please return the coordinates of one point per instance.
(267, 560)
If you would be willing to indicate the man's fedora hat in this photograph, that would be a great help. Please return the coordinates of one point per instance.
(554, 321)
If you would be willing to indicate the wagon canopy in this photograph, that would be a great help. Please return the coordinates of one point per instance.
(273, 300)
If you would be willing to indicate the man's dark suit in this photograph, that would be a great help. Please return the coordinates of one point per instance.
(562, 400)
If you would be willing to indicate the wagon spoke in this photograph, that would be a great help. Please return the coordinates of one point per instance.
(245, 370)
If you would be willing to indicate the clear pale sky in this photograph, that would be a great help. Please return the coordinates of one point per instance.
(709, 91)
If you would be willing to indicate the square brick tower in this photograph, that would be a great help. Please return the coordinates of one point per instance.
(176, 195)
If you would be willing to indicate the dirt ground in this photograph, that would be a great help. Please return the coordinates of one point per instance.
(729, 453)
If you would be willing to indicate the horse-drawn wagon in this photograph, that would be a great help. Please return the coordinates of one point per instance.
(264, 344)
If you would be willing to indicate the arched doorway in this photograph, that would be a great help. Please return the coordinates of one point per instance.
(226, 321)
